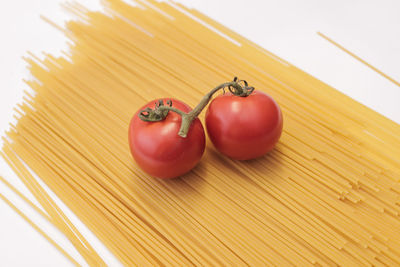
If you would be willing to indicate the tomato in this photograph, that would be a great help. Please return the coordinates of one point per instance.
(244, 127)
(159, 150)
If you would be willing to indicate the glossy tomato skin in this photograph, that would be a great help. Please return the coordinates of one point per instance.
(159, 150)
(244, 128)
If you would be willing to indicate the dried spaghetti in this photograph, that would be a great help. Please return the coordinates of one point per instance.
(328, 194)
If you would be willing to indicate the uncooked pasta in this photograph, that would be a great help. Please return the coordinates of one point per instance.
(359, 59)
(328, 194)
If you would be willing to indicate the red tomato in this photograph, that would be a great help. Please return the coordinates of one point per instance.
(159, 150)
(244, 127)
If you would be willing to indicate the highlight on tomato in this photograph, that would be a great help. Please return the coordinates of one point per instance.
(155, 144)
(167, 139)
(246, 127)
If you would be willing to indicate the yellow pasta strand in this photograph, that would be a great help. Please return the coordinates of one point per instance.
(328, 194)
(39, 230)
(359, 59)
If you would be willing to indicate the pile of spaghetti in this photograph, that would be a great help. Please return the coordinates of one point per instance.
(327, 194)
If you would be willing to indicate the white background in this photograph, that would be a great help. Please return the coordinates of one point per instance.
(370, 29)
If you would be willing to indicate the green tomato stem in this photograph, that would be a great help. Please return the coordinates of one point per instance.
(160, 112)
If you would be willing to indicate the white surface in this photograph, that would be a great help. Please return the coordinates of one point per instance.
(287, 28)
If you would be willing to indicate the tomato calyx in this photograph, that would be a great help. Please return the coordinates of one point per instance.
(236, 87)
(157, 114)
(240, 90)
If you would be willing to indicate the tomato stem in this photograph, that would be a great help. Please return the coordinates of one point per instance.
(160, 112)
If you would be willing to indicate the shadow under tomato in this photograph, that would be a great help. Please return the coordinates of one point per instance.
(189, 183)
(193, 192)
(214, 163)
(262, 167)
